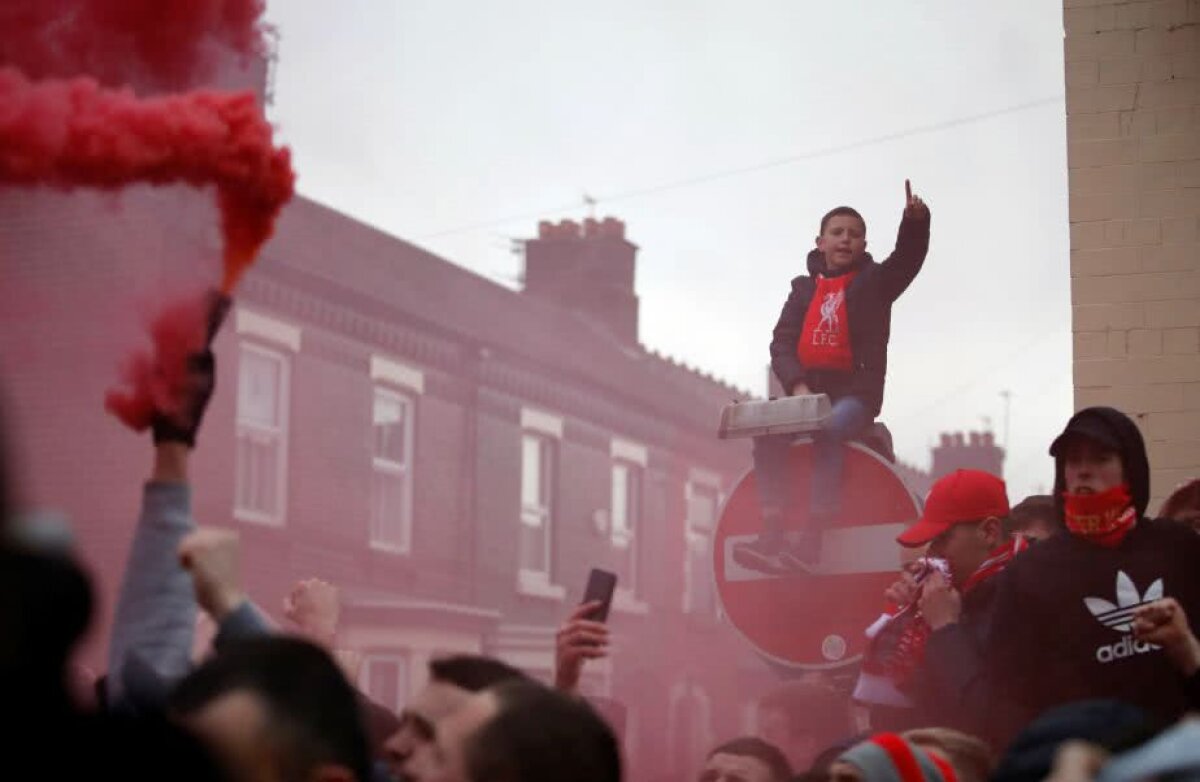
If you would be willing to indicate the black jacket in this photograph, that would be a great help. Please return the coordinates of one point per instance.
(1058, 627)
(953, 658)
(869, 301)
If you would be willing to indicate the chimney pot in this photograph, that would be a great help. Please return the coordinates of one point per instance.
(613, 227)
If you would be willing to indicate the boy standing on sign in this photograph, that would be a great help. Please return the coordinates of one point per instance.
(831, 339)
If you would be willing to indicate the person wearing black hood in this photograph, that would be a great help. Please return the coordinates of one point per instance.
(831, 338)
(1070, 619)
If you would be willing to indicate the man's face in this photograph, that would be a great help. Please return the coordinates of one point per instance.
(1037, 528)
(1090, 467)
(418, 723)
(443, 759)
(735, 768)
(843, 241)
(965, 547)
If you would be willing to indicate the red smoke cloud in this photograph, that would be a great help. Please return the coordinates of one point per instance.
(69, 117)
(155, 380)
(158, 44)
(76, 133)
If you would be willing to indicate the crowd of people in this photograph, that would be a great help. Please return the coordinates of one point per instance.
(1056, 644)
(1053, 641)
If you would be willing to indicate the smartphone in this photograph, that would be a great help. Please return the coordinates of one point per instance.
(600, 587)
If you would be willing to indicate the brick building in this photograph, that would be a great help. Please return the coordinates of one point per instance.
(454, 454)
(1133, 136)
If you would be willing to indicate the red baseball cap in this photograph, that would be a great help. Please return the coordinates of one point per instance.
(962, 496)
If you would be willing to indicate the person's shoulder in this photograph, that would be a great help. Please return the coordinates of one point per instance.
(1048, 550)
(1038, 558)
(802, 285)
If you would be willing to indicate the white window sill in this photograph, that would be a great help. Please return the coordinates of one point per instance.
(254, 517)
(536, 584)
(625, 602)
(389, 548)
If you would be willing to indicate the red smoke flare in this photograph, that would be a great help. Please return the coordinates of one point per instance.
(158, 44)
(76, 133)
(155, 380)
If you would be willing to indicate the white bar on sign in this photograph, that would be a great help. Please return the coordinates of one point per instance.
(844, 551)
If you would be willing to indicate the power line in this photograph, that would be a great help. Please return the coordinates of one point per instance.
(735, 172)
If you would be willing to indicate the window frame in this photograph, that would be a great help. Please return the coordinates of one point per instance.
(382, 465)
(626, 536)
(546, 429)
(694, 533)
(282, 435)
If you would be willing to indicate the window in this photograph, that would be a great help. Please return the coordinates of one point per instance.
(262, 416)
(384, 678)
(537, 496)
(626, 511)
(702, 500)
(391, 476)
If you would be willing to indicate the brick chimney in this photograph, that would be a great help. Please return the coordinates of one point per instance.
(973, 451)
(586, 268)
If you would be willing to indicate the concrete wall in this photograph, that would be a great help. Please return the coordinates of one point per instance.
(1133, 127)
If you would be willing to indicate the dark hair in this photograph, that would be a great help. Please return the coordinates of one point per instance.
(472, 672)
(540, 735)
(312, 711)
(842, 210)
(754, 747)
(1032, 509)
(1186, 497)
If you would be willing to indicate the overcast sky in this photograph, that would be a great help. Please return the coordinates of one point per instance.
(720, 132)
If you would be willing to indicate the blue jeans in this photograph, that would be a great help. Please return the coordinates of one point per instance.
(848, 418)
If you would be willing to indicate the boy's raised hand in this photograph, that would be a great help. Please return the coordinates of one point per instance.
(913, 205)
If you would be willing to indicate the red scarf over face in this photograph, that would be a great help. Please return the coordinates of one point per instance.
(825, 340)
(1104, 519)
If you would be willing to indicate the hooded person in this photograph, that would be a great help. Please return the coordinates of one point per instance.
(1062, 625)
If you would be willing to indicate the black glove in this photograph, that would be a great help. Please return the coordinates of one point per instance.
(200, 384)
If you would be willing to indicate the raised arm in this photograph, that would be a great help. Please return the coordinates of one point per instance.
(578, 640)
(912, 244)
(155, 614)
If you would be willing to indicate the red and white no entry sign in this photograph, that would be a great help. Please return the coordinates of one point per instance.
(817, 620)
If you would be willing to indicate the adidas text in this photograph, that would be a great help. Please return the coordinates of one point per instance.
(1126, 647)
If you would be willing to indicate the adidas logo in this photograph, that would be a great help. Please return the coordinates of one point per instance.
(1119, 617)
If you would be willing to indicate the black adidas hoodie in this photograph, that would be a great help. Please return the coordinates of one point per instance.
(1059, 631)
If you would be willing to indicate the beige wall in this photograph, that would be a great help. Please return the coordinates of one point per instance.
(1133, 128)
